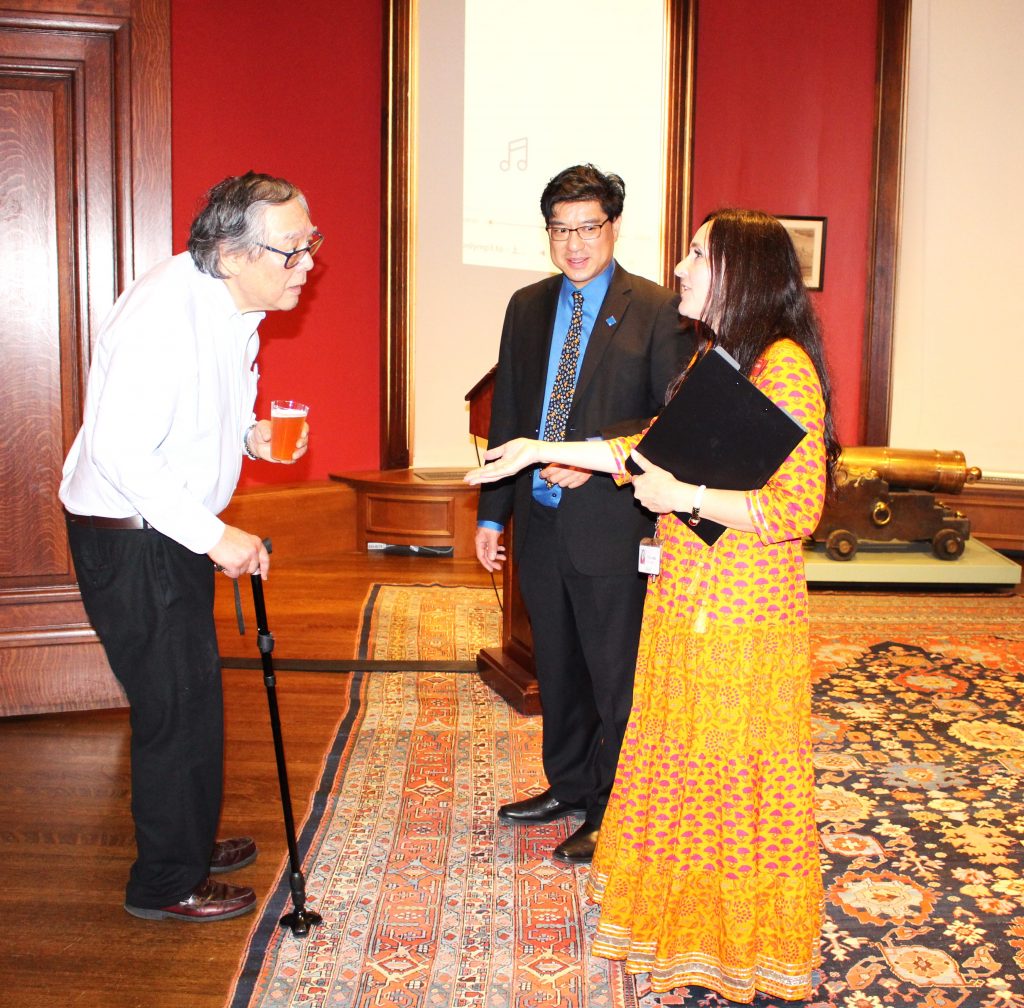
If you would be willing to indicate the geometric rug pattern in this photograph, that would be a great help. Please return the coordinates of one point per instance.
(429, 901)
(426, 899)
(428, 623)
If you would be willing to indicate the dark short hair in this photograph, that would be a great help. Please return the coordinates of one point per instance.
(233, 218)
(584, 182)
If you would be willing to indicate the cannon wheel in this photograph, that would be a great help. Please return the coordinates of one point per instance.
(841, 545)
(947, 544)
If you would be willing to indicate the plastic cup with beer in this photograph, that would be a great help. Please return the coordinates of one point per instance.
(286, 419)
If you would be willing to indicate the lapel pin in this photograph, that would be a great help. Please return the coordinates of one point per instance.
(611, 320)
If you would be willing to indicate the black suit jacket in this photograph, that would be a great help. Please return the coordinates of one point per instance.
(626, 370)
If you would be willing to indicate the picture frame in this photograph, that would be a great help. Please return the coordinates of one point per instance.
(808, 234)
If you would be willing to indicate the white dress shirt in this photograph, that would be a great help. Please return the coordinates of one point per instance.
(171, 390)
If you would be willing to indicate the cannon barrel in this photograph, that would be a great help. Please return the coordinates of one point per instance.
(911, 468)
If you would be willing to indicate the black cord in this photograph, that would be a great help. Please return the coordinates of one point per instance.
(497, 594)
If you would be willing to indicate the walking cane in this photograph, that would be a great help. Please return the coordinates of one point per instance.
(300, 920)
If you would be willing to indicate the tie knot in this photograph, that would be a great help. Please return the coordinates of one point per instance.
(577, 298)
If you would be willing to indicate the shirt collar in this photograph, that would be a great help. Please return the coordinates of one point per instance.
(221, 301)
(594, 292)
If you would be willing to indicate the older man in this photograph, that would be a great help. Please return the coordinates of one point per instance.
(583, 353)
(168, 420)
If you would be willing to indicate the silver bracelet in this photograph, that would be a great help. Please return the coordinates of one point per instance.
(245, 443)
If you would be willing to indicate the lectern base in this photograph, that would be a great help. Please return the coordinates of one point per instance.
(509, 679)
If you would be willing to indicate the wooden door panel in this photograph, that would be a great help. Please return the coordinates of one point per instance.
(30, 326)
(84, 99)
(58, 157)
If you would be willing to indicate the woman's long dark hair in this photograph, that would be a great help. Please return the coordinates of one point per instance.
(758, 296)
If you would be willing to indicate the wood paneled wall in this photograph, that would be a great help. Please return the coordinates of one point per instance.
(85, 206)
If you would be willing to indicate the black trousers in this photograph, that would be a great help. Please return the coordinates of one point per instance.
(150, 601)
(586, 630)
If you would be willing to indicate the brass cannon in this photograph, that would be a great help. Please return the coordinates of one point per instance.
(888, 494)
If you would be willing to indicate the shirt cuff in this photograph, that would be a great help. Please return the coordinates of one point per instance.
(755, 511)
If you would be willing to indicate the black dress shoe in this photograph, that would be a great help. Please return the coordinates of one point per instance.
(578, 848)
(544, 808)
(230, 855)
(210, 901)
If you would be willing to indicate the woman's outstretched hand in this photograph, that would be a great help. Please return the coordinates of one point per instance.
(505, 460)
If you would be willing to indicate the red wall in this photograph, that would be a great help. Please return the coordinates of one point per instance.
(784, 122)
(785, 110)
(296, 91)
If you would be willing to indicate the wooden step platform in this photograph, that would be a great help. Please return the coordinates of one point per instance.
(414, 507)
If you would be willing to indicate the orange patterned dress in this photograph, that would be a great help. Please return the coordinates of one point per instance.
(707, 866)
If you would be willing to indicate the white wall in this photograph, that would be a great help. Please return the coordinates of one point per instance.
(579, 94)
(456, 311)
(958, 367)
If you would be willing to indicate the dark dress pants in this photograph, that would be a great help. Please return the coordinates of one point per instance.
(151, 602)
(586, 630)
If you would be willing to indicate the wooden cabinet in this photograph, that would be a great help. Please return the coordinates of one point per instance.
(414, 507)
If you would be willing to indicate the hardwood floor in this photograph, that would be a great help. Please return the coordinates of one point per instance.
(66, 836)
(65, 830)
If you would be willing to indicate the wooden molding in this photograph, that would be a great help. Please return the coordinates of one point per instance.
(891, 96)
(396, 238)
(677, 226)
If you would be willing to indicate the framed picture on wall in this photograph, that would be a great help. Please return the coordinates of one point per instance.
(808, 234)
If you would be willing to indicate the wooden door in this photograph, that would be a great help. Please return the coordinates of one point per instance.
(84, 207)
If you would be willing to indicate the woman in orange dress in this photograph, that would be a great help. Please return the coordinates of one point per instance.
(707, 866)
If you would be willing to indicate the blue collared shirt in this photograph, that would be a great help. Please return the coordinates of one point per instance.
(593, 297)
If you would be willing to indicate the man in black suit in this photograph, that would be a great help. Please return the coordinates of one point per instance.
(584, 354)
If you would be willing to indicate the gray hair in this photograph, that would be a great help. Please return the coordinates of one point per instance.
(233, 218)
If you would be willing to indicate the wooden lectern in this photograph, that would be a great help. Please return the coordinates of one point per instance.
(509, 669)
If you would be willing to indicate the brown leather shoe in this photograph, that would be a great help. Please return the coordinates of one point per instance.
(230, 855)
(210, 901)
(578, 848)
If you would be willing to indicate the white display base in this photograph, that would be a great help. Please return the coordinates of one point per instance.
(913, 564)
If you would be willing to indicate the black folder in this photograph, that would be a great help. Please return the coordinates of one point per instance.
(721, 430)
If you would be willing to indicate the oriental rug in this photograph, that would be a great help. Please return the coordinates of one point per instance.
(417, 622)
(429, 901)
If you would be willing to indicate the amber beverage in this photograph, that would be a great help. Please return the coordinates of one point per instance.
(286, 419)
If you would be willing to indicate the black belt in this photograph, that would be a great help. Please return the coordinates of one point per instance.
(99, 521)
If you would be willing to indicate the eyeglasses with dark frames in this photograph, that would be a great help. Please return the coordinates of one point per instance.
(588, 232)
(293, 258)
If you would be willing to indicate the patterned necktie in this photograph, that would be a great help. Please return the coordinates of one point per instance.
(557, 417)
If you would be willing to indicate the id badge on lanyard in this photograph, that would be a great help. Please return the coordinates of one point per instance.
(650, 556)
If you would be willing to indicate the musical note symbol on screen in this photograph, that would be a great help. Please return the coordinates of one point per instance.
(518, 146)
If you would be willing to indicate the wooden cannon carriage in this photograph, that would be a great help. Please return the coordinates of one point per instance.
(889, 495)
